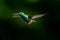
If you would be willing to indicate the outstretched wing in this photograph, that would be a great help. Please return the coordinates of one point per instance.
(17, 14)
(37, 16)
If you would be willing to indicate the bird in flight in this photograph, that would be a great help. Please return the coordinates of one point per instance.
(28, 19)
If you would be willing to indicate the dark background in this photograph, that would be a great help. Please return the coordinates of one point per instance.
(46, 28)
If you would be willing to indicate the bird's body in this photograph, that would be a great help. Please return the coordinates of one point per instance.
(24, 17)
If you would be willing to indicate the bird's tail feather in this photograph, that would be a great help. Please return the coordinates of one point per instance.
(31, 21)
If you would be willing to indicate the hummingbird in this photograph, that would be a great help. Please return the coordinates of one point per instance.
(28, 19)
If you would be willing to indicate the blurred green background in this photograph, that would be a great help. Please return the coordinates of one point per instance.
(17, 29)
